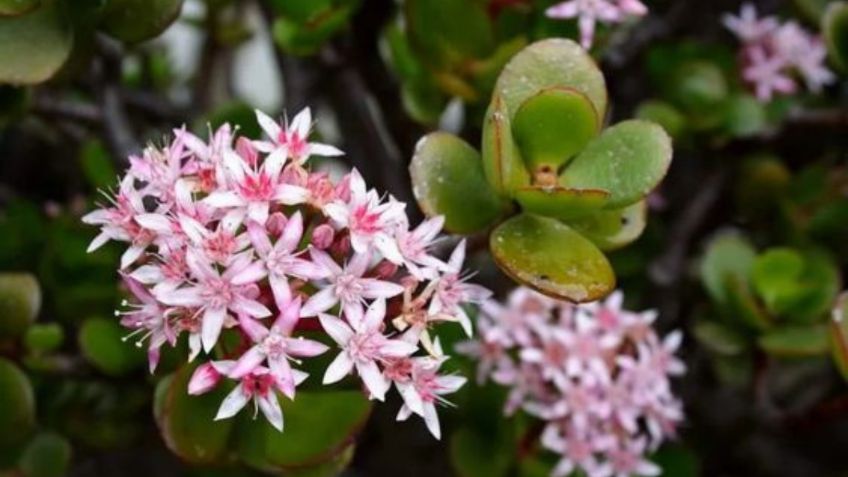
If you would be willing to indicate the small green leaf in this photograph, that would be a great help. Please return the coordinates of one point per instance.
(20, 301)
(559, 202)
(613, 229)
(550, 257)
(35, 45)
(502, 163)
(838, 329)
(447, 179)
(102, 345)
(744, 116)
(47, 455)
(97, 165)
(552, 126)
(628, 159)
(741, 307)
(554, 62)
(700, 87)
(729, 254)
(719, 338)
(17, 414)
(835, 28)
(134, 21)
(187, 423)
(796, 341)
(663, 114)
(799, 286)
(319, 426)
(44, 338)
(305, 38)
(446, 33)
(475, 454)
(11, 8)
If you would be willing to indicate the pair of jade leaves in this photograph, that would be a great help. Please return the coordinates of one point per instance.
(551, 185)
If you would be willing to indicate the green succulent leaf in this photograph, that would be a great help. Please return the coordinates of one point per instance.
(187, 423)
(134, 21)
(728, 254)
(628, 159)
(838, 330)
(17, 414)
(550, 257)
(550, 63)
(502, 163)
(799, 286)
(447, 179)
(20, 301)
(744, 116)
(47, 455)
(700, 87)
(552, 126)
(44, 338)
(101, 343)
(319, 426)
(665, 115)
(11, 8)
(835, 28)
(559, 202)
(35, 45)
(307, 37)
(719, 338)
(446, 33)
(796, 341)
(742, 307)
(613, 229)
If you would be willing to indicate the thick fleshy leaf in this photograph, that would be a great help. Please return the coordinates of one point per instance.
(187, 423)
(628, 159)
(552, 126)
(138, 20)
(17, 414)
(44, 338)
(502, 163)
(729, 254)
(838, 329)
(835, 29)
(719, 338)
(47, 455)
(10, 8)
(559, 202)
(20, 301)
(663, 114)
(699, 87)
(552, 258)
(304, 38)
(796, 341)
(550, 63)
(102, 345)
(319, 426)
(741, 307)
(446, 33)
(799, 286)
(447, 179)
(35, 45)
(612, 229)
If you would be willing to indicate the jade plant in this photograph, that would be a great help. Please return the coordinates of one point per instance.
(776, 301)
(835, 29)
(555, 188)
(301, 27)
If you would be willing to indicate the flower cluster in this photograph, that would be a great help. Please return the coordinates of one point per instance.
(597, 375)
(773, 53)
(589, 12)
(236, 236)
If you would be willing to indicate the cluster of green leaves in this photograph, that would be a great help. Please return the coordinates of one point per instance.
(834, 26)
(40, 38)
(556, 187)
(700, 95)
(778, 300)
(301, 27)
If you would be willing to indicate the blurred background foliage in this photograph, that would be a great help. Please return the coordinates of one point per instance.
(746, 250)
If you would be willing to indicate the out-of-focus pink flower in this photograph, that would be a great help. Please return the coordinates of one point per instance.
(774, 54)
(597, 374)
(590, 12)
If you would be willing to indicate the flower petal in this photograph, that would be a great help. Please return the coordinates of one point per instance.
(338, 369)
(233, 403)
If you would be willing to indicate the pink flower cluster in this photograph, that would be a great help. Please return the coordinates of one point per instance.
(237, 236)
(597, 375)
(589, 12)
(773, 54)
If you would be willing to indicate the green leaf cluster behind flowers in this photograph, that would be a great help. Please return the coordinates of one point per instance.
(558, 189)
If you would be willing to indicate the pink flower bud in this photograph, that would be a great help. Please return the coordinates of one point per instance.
(341, 246)
(276, 223)
(322, 236)
(385, 269)
(205, 378)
